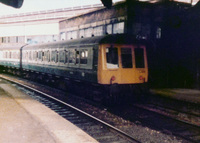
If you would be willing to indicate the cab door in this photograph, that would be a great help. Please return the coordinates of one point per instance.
(141, 67)
(127, 65)
(108, 64)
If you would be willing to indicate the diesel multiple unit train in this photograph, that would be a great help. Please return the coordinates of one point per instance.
(105, 67)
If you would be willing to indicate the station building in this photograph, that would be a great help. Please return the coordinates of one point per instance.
(161, 23)
(37, 27)
(142, 19)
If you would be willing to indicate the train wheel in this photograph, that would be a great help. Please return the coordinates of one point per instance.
(113, 97)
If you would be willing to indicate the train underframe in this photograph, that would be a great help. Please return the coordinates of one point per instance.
(108, 94)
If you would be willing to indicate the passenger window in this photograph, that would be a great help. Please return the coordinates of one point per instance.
(72, 56)
(35, 55)
(45, 56)
(62, 56)
(112, 58)
(54, 56)
(48, 56)
(66, 56)
(126, 55)
(9, 55)
(139, 57)
(30, 55)
(84, 56)
(77, 57)
(40, 55)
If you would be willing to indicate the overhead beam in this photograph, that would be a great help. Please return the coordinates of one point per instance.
(107, 3)
(13, 3)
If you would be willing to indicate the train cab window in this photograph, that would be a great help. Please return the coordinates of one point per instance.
(139, 57)
(112, 58)
(83, 56)
(126, 55)
(62, 56)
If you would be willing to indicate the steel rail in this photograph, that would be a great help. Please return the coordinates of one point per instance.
(83, 112)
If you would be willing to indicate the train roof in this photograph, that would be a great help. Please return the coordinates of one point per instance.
(12, 47)
(120, 39)
(108, 39)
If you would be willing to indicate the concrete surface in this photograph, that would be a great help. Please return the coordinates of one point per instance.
(24, 120)
(188, 95)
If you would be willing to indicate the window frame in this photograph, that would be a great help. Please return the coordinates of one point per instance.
(132, 56)
(118, 58)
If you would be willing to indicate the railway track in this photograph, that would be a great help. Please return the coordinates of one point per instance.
(98, 129)
(135, 115)
(176, 126)
(192, 118)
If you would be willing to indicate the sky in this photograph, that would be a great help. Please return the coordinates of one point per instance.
(39, 5)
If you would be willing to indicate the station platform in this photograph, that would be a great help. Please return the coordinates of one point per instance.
(188, 95)
(25, 120)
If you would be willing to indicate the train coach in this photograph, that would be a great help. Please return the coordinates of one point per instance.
(105, 67)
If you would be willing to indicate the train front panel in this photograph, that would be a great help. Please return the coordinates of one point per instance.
(122, 64)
